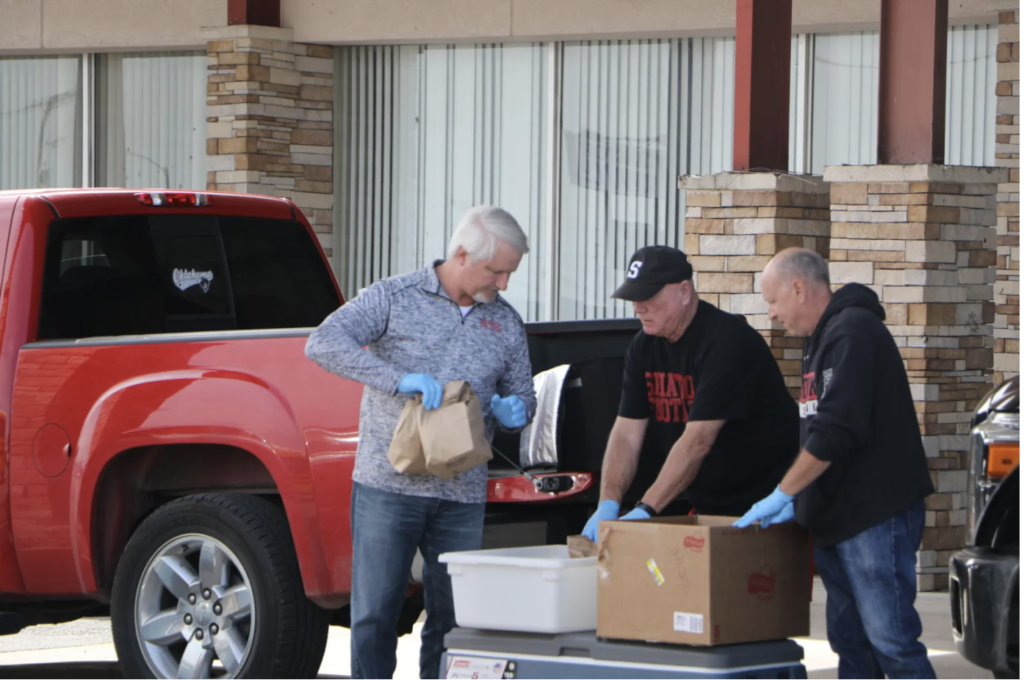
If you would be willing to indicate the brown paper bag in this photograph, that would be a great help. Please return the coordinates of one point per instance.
(454, 438)
(581, 546)
(444, 442)
(406, 452)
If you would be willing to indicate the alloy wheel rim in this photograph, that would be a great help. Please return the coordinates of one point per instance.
(194, 614)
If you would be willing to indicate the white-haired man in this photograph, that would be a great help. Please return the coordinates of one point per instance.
(423, 329)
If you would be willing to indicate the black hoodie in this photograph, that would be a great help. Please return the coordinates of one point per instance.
(857, 413)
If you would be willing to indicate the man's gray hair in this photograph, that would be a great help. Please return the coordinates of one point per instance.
(481, 228)
(806, 265)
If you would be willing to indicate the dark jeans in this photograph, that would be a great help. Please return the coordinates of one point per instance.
(871, 584)
(386, 530)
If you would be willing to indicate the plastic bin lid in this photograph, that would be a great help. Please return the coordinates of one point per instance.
(588, 645)
(533, 557)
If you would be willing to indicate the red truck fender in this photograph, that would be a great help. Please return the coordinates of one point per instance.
(249, 416)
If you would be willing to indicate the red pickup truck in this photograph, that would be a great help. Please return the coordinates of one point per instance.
(172, 458)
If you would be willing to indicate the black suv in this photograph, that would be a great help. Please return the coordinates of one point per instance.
(984, 586)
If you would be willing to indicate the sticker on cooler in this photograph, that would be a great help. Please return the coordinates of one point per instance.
(652, 566)
(688, 623)
(470, 667)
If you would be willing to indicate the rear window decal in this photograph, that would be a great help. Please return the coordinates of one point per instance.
(186, 278)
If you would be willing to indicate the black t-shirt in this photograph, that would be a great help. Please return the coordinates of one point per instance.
(721, 369)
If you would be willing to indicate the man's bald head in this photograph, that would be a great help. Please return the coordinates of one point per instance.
(799, 263)
(796, 286)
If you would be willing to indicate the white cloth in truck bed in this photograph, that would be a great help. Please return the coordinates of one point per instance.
(538, 443)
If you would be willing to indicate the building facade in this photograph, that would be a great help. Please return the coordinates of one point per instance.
(385, 120)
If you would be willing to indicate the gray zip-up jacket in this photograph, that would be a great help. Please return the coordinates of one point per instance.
(409, 325)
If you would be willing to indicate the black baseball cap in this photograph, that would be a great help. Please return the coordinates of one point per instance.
(650, 269)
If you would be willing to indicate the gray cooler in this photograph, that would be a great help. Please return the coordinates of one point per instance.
(498, 654)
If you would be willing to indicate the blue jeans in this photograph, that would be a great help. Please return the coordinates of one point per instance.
(871, 584)
(386, 530)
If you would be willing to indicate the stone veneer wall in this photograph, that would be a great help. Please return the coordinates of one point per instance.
(735, 223)
(270, 125)
(1007, 288)
(924, 238)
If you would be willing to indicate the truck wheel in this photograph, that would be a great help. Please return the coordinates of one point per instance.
(209, 586)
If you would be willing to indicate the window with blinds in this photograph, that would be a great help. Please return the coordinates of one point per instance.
(844, 128)
(584, 142)
(151, 120)
(971, 95)
(423, 133)
(40, 122)
(635, 116)
(845, 97)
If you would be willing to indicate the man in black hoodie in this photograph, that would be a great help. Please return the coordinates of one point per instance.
(859, 483)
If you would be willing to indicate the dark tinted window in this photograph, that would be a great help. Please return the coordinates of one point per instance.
(193, 274)
(277, 274)
(81, 253)
(101, 279)
(164, 274)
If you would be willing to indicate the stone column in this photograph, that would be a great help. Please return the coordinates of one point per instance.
(735, 223)
(923, 237)
(269, 127)
(1007, 290)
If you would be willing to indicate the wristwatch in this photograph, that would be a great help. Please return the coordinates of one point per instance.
(648, 509)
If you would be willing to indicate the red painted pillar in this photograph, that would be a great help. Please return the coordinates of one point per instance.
(258, 12)
(912, 82)
(761, 118)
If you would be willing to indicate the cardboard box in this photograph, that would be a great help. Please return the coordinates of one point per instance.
(700, 581)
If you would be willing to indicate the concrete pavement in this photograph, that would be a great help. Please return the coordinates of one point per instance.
(83, 649)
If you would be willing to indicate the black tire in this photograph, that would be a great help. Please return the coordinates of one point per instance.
(287, 634)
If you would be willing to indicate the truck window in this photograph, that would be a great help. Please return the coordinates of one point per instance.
(277, 275)
(114, 276)
(100, 278)
(193, 273)
(81, 253)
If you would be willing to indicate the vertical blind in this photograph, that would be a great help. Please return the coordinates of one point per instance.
(151, 110)
(971, 95)
(426, 132)
(845, 102)
(40, 122)
(584, 143)
(800, 50)
(635, 116)
(711, 70)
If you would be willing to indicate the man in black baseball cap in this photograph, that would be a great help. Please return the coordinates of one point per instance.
(705, 386)
(650, 269)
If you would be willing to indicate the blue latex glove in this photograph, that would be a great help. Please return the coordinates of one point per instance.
(510, 411)
(784, 515)
(767, 510)
(606, 510)
(636, 513)
(421, 383)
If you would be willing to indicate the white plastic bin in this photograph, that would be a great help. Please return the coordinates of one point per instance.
(532, 590)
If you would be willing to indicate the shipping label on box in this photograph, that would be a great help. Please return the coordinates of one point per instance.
(701, 581)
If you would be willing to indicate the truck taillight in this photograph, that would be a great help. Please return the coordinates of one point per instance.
(179, 198)
(1002, 458)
